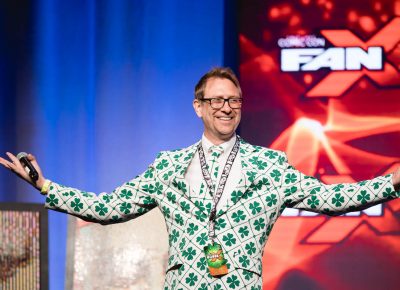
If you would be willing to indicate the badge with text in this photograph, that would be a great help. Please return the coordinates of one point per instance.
(215, 260)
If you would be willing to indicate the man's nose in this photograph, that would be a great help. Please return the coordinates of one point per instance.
(226, 108)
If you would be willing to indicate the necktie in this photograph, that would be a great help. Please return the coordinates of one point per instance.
(214, 166)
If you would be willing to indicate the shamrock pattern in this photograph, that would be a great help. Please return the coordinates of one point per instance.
(267, 186)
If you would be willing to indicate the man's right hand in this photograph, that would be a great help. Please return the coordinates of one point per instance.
(15, 166)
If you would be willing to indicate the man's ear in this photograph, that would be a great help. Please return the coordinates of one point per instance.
(197, 108)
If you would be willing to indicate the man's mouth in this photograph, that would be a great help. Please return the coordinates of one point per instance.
(225, 118)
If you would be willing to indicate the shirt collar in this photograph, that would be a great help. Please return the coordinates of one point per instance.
(227, 146)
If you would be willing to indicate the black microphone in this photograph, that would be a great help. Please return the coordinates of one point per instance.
(23, 158)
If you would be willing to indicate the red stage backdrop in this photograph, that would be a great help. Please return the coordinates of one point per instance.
(321, 82)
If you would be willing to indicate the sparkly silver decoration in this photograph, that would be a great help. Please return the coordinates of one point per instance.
(127, 256)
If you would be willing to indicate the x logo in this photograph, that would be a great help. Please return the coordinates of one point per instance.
(337, 82)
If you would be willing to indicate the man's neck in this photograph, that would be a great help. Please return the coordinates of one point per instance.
(218, 140)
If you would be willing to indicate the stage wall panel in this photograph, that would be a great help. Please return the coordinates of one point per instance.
(321, 82)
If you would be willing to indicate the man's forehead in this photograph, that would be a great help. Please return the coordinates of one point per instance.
(221, 86)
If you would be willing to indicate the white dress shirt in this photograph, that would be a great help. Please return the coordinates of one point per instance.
(194, 176)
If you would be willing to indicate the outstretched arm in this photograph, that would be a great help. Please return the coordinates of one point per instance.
(308, 193)
(128, 201)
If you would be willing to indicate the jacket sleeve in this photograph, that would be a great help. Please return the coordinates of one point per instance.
(308, 193)
(128, 201)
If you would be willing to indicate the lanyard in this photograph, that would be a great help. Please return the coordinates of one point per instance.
(221, 185)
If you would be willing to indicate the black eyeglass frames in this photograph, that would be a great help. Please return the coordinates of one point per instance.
(218, 103)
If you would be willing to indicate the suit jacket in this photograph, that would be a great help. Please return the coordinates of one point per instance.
(267, 186)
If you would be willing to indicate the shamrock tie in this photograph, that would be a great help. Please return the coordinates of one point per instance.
(214, 166)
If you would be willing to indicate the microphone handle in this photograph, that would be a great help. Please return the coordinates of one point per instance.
(33, 174)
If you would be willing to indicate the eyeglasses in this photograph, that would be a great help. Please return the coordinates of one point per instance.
(218, 103)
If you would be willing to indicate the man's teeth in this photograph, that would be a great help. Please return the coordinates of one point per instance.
(225, 118)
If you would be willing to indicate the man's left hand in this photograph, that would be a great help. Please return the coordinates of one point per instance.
(396, 179)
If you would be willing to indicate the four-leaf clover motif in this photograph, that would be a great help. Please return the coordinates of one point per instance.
(77, 205)
(338, 199)
(189, 253)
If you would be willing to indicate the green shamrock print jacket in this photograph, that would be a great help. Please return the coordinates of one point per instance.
(268, 185)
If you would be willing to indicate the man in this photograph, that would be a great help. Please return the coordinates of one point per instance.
(220, 197)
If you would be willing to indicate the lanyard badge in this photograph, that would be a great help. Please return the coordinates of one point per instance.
(215, 260)
(217, 264)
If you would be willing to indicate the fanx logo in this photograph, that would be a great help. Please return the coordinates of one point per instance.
(348, 60)
(334, 58)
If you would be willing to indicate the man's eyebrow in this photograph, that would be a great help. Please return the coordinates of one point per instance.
(222, 97)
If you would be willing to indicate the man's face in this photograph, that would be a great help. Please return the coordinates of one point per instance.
(219, 124)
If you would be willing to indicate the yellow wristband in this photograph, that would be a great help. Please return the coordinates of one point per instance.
(45, 187)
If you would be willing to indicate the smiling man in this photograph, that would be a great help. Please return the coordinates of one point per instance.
(220, 197)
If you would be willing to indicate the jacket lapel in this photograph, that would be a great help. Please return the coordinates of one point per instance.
(248, 174)
(182, 162)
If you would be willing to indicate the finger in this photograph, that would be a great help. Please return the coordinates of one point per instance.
(16, 164)
(12, 157)
(9, 165)
(14, 160)
(31, 157)
(5, 163)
